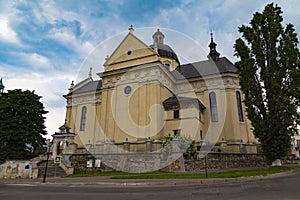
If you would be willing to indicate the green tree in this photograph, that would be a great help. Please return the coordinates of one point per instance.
(21, 124)
(269, 76)
(186, 145)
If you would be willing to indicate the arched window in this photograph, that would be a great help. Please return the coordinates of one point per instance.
(213, 107)
(83, 118)
(239, 106)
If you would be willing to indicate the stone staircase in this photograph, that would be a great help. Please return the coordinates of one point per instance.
(54, 170)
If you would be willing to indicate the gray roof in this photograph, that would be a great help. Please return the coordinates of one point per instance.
(172, 101)
(90, 87)
(204, 68)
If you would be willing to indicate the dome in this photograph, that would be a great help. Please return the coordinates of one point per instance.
(165, 51)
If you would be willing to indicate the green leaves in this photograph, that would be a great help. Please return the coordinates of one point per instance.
(269, 77)
(185, 145)
(21, 123)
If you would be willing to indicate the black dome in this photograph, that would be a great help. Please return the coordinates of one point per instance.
(166, 51)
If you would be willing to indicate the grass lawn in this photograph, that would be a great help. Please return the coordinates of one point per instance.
(166, 175)
(79, 173)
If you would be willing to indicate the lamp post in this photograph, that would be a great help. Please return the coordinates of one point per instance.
(203, 145)
(48, 145)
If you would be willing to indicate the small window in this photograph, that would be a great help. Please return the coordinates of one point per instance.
(239, 106)
(176, 114)
(213, 107)
(167, 65)
(83, 118)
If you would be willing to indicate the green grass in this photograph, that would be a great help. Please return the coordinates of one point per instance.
(227, 174)
(169, 175)
(79, 173)
(82, 173)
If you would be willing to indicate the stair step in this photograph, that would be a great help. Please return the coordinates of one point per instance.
(53, 170)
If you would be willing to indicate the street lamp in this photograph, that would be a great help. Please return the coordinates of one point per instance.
(48, 145)
(203, 144)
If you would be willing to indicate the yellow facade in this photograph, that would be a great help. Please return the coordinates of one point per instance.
(133, 99)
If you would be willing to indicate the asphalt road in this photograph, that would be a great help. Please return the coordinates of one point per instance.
(279, 187)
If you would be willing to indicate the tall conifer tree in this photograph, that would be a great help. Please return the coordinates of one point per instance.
(270, 79)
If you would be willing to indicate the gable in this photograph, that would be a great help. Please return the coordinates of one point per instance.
(131, 51)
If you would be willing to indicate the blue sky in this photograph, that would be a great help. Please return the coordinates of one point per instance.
(43, 44)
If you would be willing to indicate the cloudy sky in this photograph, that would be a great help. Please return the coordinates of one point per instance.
(44, 44)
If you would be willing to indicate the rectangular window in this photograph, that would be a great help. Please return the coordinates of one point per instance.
(239, 106)
(83, 118)
(176, 114)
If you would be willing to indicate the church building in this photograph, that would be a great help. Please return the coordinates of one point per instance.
(145, 94)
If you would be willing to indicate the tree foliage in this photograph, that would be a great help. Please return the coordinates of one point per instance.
(21, 124)
(186, 145)
(269, 76)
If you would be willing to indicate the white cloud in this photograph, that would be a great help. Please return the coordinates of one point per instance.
(196, 19)
(67, 38)
(7, 34)
(54, 119)
(51, 86)
(192, 18)
(34, 60)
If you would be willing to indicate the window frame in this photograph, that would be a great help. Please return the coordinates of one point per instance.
(83, 118)
(239, 106)
(213, 107)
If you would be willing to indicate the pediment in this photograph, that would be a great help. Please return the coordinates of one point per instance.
(131, 51)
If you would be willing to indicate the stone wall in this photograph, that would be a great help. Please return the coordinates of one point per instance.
(225, 161)
(148, 156)
(20, 168)
(16, 169)
(139, 162)
(131, 162)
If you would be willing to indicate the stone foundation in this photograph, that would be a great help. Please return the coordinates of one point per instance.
(138, 162)
(225, 161)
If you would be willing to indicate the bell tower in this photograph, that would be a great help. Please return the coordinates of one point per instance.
(158, 37)
(213, 54)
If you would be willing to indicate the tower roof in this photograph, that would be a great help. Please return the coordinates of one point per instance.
(213, 54)
(158, 37)
(162, 49)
